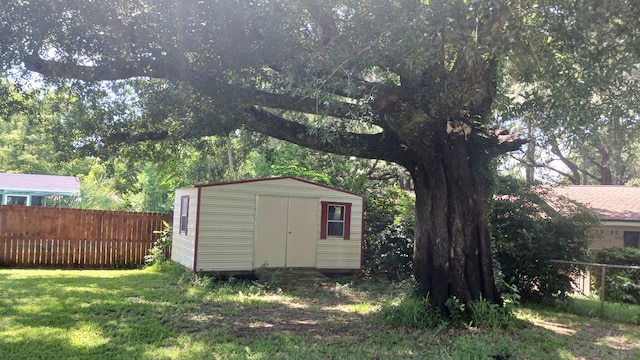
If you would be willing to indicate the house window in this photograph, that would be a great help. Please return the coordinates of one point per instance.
(632, 239)
(38, 200)
(16, 200)
(336, 220)
(184, 214)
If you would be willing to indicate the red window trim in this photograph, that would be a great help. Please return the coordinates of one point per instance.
(186, 214)
(324, 223)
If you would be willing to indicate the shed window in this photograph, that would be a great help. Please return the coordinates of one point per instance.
(632, 239)
(184, 214)
(336, 220)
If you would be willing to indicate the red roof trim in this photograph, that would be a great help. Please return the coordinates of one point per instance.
(278, 178)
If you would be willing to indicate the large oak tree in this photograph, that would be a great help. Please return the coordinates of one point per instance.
(406, 81)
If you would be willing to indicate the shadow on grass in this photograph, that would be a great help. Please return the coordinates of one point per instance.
(568, 335)
(146, 314)
(80, 314)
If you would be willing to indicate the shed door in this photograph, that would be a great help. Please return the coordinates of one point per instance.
(285, 232)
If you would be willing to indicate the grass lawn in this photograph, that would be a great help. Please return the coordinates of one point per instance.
(153, 314)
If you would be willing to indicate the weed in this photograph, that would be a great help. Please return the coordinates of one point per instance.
(158, 252)
(487, 315)
(456, 311)
(412, 312)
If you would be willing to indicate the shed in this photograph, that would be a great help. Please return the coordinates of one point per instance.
(237, 227)
(33, 189)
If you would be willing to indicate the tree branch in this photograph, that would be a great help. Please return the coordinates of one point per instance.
(134, 137)
(371, 146)
(157, 69)
(302, 104)
(503, 142)
(323, 19)
(555, 149)
(116, 70)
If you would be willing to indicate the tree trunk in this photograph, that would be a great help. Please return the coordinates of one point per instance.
(452, 254)
(530, 170)
(605, 170)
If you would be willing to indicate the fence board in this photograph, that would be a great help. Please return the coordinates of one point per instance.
(53, 237)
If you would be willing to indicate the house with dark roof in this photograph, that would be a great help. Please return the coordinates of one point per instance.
(35, 190)
(618, 208)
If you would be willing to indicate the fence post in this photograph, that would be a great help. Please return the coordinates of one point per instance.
(602, 287)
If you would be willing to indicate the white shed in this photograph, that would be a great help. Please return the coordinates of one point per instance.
(236, 227)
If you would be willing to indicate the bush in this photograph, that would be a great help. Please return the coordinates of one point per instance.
(159, 251)
(528, 233)
(621, 285)
(389, 236)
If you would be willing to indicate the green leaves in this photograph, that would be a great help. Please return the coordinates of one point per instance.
(527, 233)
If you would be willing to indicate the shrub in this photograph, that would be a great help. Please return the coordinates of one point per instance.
(159, 250)
(621, 285)
(528, 233)
(388, 245)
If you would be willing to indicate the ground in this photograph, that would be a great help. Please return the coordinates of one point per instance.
(152, 314)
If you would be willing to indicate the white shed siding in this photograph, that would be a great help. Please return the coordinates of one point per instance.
(183, 245)
(330, 253)
(225, 239)
(227, 223)
(339, 253)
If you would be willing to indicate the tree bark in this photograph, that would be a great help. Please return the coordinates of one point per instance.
(452, 254)
(575, 171)
(530, 170)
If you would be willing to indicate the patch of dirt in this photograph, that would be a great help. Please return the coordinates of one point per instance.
(281, 315)
(325, 310)
(310, 305)
(560, 329)
(595, 333)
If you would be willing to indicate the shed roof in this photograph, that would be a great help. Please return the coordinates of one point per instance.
(611, 202)
(33, 182)
(278, 178)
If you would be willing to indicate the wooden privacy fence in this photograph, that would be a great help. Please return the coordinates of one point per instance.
(33, 236)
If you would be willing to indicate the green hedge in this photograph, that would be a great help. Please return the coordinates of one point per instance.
(622, 285)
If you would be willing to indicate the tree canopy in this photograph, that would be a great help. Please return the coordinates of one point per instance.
(406, 81)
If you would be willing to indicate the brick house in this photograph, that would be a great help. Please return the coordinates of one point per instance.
(618, 208)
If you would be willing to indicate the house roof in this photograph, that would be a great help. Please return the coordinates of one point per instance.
(611, 202)
(279, 178)
(44, 183)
